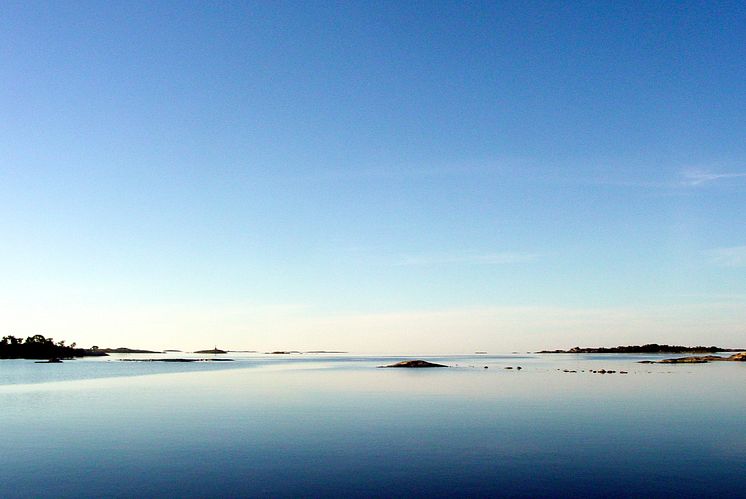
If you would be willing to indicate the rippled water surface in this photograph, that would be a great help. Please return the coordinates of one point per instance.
(335, 425)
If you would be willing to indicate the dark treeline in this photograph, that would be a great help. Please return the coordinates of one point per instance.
(649, 348)
(39, 347)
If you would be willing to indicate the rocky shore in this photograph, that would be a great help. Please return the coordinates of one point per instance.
(739, 357)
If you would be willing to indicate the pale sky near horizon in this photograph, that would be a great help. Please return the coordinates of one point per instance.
(432, 177)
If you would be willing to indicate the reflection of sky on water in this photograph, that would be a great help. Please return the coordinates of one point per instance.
(342, 427)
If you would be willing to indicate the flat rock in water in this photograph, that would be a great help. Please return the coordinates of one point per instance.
(692, 360)
(415, 363)
(738, 357)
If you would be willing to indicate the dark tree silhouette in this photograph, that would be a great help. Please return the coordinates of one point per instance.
(39, 347)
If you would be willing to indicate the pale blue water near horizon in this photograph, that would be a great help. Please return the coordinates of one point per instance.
(335, 425)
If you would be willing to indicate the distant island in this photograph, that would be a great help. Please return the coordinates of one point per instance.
(649, 348)
(39, 347)
(125, 350)
(176, 360)
(214, 350)
(324, 351)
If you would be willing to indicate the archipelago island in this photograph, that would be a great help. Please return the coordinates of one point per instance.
(647, 348)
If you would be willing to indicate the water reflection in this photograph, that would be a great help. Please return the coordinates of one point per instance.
(341, 427)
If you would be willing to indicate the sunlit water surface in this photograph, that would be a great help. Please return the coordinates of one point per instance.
(334, 425)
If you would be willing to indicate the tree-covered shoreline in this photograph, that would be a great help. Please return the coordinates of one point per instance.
(39, 347)
(647, 348)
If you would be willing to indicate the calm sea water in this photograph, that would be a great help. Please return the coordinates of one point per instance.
(333, 425)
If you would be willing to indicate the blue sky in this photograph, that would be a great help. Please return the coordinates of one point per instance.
(428, 177)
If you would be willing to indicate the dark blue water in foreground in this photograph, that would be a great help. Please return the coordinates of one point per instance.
(337, 426)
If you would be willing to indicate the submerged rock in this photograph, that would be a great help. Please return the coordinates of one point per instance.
(415, 363)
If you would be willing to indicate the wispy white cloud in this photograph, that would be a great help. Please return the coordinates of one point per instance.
(728, 257)
(469, 258)
(699, 177)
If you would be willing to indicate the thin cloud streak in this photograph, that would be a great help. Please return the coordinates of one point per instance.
(468, 259)
(728, 257)
(696, 177)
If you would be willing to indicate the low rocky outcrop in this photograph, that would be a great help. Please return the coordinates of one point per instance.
(693, 360)
(739, 357)
(415, 364)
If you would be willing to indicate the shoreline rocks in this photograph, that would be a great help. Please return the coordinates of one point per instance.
(738, 357)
